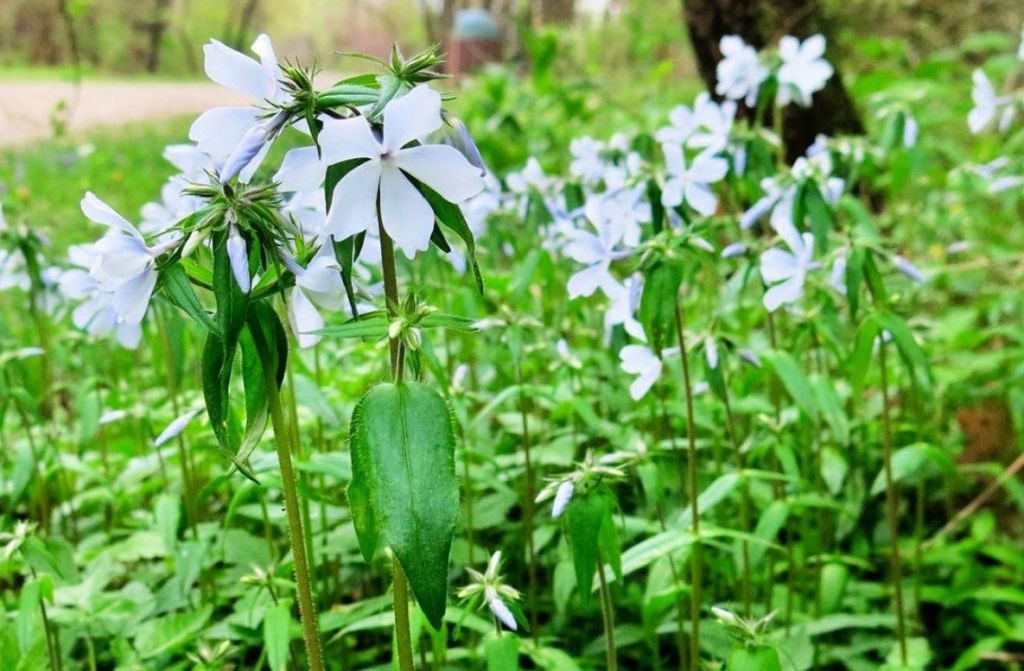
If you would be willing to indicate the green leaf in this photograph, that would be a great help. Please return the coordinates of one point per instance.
(404, 485)
(450, 216)
(178, 289)
(760, 658)
(772, 520)
(155, 637)
(502, 653)
(794, 381)
(913, 463)
(584, 519)
(263, 343)
(820, 214)
(277, 622)
(827, 400)
(853, 279)
(658, 301)
(910, 351)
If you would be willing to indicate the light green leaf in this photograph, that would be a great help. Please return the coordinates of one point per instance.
(404, 484)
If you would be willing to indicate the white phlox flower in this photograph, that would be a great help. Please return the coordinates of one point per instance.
(588, 163)
(740, 73)
(317, 286)
(625, 299)
(987, 105)
(786, 271)
(95, 313)
(596, 251)
(125, 265)
(641, 361)
(239, 134)
(404, 212)
(803, 71)
(689, 184)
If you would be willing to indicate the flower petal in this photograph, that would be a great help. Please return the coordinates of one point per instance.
(304, 319)
(354, 203)
(444, 169)
(789, 291)
(218, 131)
(235, 70)
(777, 265)
(412, 116)
(301, 170)
(101, 213)
(405, 213)
(131, 299)
(345, 139)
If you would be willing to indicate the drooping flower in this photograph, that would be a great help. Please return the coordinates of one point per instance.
(176, 426)
(689, 184)
(318, 285)
(404, 212)
(95, 312)
(563, 495)
(126, 266)
(740, 73)
(803, 71)
(239, 134)
(492, 591)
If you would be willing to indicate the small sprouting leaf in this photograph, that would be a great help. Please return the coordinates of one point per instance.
(404, 486)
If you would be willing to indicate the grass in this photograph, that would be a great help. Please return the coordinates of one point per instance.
(42, 184)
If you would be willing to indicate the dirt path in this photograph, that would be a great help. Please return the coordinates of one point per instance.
(26, 107)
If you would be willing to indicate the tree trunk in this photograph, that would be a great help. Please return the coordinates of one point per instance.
(761, 23)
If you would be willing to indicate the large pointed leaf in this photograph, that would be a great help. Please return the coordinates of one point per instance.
(658, 301)
(584, 519)
(404, 486)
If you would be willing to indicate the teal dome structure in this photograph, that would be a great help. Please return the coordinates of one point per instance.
(475, 24)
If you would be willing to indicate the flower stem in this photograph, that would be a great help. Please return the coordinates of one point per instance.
(400, 585)
(608, 616)
(730, 422)
(892, 505)
(528, 502)
(307, 612)
(696, 560)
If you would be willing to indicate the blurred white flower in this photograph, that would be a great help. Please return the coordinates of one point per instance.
(803, 72)
(625, 299)
(740, 72)
(491, 588)
(596, 251)
(641, 361)
(95, 312)
(711, 351)
(837, 279)
(734, 249)
(690, 184)
(125, 266)
(987, 105)
(175, 428)
(587, 163)
(404, 212)
(785, 271)
(562, 498)
(908, 269)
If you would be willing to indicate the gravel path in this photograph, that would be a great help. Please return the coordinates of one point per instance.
(26, 107)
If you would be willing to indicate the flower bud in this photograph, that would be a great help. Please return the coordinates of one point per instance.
(238, 254)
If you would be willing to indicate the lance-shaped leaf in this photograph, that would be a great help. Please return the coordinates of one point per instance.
(450, 216)
(404, 489)
(585, 519)
(658, 301)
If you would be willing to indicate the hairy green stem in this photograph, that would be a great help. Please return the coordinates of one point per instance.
(400, 584)
(307, 611)
(696, 560)
(892, 506)
(608, 617)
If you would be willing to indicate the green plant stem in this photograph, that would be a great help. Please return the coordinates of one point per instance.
(400, 585)
(745, 522)
(183, 459)
(892, 505)
(307, 612)
(529, 505)
(696, 561)
(608, 617)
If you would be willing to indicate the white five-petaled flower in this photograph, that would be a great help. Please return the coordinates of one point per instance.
(597, 251)
(625, 299)
(404, 212)
(318, 285)
(689, 184)
(239, 134)
(587, 163)
(786, 271)
(641, 361)
(740, 73)
(95, 314)
(803, 71)
(126, 266)
(987, 105)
